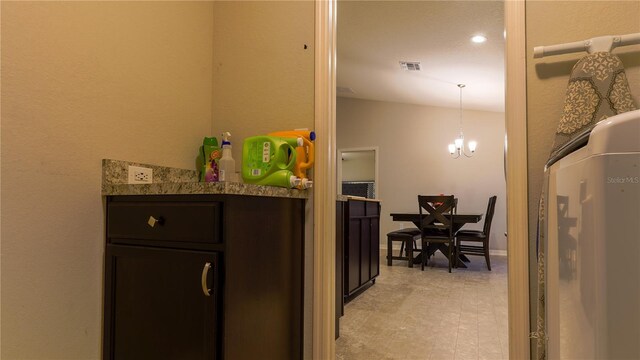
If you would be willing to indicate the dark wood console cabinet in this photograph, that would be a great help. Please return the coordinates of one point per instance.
(340, 205)
(203, 277)
(361, 244)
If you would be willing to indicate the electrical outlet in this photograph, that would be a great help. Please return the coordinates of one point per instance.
(140, 175)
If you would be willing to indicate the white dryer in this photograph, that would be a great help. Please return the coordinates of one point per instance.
(593, 244)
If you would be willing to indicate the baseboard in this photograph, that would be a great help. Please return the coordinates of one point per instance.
(498, 252)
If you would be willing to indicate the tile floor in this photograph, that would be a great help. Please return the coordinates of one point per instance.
(430, 315)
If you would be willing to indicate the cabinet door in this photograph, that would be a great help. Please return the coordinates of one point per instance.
(365, 250)
(156, 306)
(375, 247)
(339, 311)
(353, 255)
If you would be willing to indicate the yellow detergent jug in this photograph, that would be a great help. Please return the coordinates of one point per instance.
(269, 160)
(302, 140)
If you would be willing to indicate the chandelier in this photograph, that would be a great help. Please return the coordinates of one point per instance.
(457, 148)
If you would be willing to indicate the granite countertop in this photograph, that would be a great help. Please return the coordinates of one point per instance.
(173, 181)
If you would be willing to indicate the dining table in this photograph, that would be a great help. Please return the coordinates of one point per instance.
(459, 220)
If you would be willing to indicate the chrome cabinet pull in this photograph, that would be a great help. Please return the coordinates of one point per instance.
(205, 273)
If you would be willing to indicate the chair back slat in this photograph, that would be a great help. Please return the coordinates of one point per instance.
(491, 207)
(434, 216)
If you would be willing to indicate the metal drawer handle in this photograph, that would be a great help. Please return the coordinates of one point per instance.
(205, 273)
(153, 221)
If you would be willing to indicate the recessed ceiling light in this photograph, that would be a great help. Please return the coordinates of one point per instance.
(478, 39)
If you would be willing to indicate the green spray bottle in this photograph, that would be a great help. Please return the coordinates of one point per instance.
(208, 159)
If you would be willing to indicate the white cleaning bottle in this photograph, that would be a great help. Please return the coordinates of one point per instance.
(227, 166)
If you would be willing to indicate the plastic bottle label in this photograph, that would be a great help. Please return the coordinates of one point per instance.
(255, 172)
(266, 152)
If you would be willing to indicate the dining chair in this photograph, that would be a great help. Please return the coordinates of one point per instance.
(436, 223)
(476, 242)
(408, 239)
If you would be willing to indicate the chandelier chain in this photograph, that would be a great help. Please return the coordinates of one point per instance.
(461, 86)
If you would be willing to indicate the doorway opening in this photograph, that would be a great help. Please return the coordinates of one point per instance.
(411, 113)
(358, 172)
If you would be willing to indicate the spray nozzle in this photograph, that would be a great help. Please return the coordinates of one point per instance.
(225, 138)
(306, 183)
(294, 181)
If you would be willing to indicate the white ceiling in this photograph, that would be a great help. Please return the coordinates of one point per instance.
(374, 36)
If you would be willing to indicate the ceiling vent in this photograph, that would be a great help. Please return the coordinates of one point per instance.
(410, 65)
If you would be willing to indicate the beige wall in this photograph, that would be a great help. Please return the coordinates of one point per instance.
(263, 81)
(414, 159)
(263, 75)
(555, 22)
(82, 81)
(358, 166)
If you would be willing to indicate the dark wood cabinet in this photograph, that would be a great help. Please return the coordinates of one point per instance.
(340, 205)
(357, 250)
(361, 244)
(203, 277)
(157, 308)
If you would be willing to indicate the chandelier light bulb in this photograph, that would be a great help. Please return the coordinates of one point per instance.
(452, 149)
(472, 145)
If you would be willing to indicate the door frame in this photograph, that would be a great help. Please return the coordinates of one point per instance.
(324, 194)
(517, 178)
(324, 187)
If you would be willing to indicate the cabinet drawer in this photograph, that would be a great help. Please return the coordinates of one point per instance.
(183, 222)
(373, 208)
(356, 208)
